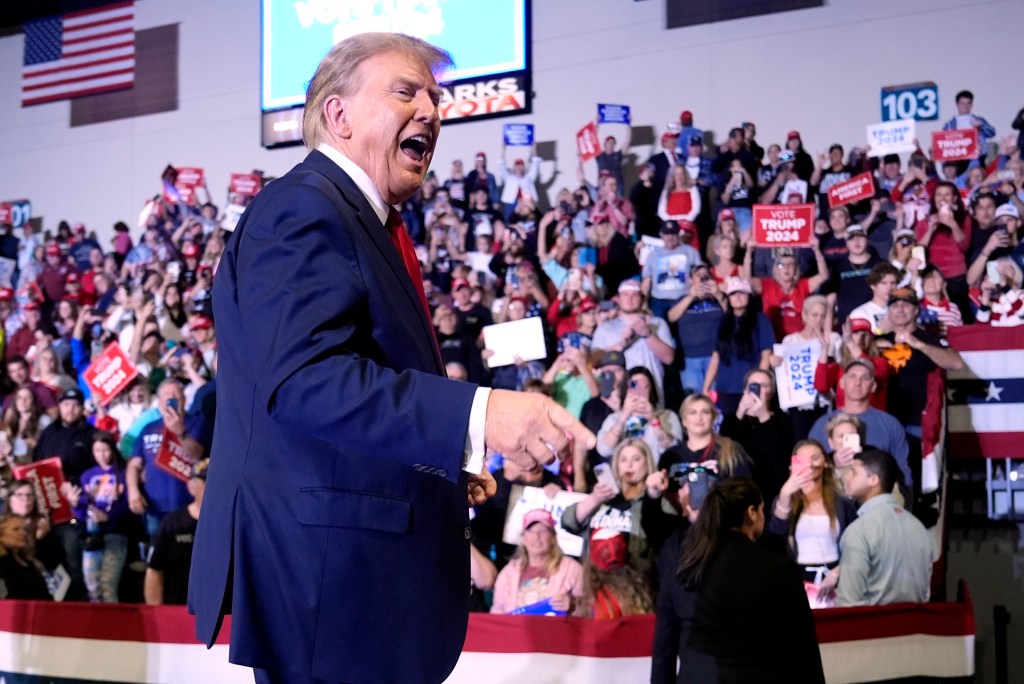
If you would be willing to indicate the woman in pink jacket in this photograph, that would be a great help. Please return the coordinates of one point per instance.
(538, 570)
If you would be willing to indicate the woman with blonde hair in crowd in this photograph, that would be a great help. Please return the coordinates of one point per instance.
(20, 574)
(49, 372)
(723, 258)
(538, 570)
(624, 508)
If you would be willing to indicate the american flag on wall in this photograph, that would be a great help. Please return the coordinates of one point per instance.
(79, 53)
(986, 398)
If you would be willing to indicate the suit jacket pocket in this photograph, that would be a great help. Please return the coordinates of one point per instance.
(323, 506)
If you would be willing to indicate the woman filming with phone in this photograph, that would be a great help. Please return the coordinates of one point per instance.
(810, 515)
(639, 418)
(733, 611)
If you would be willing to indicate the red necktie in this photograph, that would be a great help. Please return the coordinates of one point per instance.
(403, 243)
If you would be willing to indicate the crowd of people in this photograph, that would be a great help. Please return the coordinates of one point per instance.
(661, 313)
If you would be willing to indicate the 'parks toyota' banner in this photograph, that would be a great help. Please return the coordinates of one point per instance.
(860, 187)
(783, 225)
(955, 145)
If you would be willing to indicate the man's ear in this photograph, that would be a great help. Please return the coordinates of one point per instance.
(336, 119)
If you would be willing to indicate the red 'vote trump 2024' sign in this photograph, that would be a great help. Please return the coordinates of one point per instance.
(783, 225)
(955, 145)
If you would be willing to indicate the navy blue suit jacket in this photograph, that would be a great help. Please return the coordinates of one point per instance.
(334, 525)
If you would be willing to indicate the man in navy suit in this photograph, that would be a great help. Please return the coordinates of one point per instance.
(334, 526)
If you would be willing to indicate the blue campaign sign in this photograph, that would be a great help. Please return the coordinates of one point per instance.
(518, 135)
(612, 113)
(918, 101)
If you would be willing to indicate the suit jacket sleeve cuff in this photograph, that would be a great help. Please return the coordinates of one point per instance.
(474, 460)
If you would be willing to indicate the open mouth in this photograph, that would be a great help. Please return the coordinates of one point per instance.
(415, 147)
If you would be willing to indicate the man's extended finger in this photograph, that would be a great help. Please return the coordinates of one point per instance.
(572, 428)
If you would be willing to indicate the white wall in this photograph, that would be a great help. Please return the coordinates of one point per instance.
(817, 70)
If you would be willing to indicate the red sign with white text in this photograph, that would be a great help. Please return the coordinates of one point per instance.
(47, 476)
(247, 184)
(860, 187)
(587, 146)
(173, 458)
(189, 178)
(783, 225)
(109, 374)
(955, 145)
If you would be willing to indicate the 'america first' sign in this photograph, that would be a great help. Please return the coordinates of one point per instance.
(782, 225)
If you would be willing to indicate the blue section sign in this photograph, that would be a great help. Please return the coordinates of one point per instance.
(918, 101)
(518, 135)
(612, 113)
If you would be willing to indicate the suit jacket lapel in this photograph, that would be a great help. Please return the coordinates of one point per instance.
(378, 234)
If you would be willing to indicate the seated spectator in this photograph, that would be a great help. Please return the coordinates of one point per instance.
(883, 430)
(539, 570)
(23, 422)
(885, 555)
(612, 587)
(101, 502)
(938, 314)
(170, 555)
(783, 295)
(665, 273)
(641, 417)
(810, 514)
(488, 525)
(1002, 303)
(21, 575)
(734, 612)
(697, 317)
(763, 431)
(744, 341)
(858, 342)
(627, 508)
(882, 281)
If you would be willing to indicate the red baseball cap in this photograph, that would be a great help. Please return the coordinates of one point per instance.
(200, 323)
(53, 249)
(459, 282)
(6, 294)
(860, 325)
(190, 250)
(609, 549)
(79, 228)
(587, 304)
(520, 162)
(30, 306)
(686, 118)
(726, 214)
(669, 135)
(793, 134)
(71, 277)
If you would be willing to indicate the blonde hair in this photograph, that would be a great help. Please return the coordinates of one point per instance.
(730, 454)
(337, 72)
(641, 446)
(555, 555)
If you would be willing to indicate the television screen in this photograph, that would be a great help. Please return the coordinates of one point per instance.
(489, 42)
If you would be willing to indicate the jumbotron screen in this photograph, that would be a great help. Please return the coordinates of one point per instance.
(488, 40)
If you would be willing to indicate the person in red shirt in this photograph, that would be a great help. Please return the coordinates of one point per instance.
(783, 295)
(88, 295)
(946, 234)
(54, 274)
